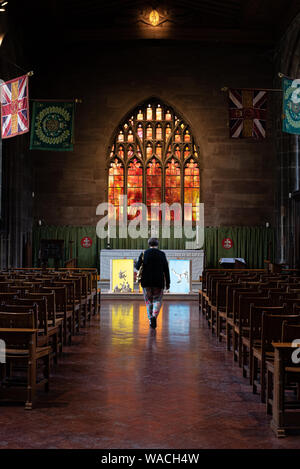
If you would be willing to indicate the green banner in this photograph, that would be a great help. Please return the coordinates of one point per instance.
(52, 126)
(291, 106)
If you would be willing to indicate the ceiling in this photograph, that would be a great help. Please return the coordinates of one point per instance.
(228, 21)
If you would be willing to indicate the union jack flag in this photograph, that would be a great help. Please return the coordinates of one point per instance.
(14, 107)
(247, 113)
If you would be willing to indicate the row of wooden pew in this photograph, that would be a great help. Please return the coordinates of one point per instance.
(257, 314)
(40, 312)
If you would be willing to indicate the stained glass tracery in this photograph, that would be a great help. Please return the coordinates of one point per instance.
(156, 158)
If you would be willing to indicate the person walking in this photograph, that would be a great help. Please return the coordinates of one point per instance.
(155, 277)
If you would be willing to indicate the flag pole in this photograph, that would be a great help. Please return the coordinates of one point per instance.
(282, 75)
(75, 100)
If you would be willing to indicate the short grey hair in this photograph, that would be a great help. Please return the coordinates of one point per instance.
(153, 242)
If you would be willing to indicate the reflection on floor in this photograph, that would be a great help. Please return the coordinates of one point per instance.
(124, 385)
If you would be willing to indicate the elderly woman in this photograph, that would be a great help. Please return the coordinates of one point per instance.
(155, 277)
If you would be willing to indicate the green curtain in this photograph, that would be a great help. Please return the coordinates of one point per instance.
(254, 244)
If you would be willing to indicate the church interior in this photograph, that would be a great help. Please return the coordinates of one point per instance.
(168, 117)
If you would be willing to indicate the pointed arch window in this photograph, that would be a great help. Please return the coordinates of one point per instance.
(154, 158)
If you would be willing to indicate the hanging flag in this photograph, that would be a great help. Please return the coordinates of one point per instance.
(247, 113)
(291, 106)
(52, 126)
(14, 107)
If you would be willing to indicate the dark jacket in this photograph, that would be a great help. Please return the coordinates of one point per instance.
(155, 269)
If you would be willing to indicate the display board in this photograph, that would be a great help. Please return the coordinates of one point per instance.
(121, 275)
(180, 276)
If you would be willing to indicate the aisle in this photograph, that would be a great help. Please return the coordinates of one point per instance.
(122, 385)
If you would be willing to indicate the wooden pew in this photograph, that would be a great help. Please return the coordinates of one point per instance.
(285, 415)
(270, 331)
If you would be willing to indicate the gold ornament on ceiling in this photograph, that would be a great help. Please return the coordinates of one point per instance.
(154, 17)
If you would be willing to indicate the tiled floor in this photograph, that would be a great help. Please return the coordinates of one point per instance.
(122, 385)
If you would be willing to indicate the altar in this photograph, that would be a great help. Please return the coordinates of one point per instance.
(196, 256)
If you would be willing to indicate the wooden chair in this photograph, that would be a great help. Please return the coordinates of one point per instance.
(232, 315)
(223, 310)
(289, 333)
(55, 324)
(18, 332)
(62, 310)
(47, 333)
(72, 305)
(254, 337)
(80, 300)
(285, 413)
(242, 321)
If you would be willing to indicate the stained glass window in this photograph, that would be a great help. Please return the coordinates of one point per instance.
(130, 136)
(130, 152)
(153, 184)
(161, 155)
(177, 136)
(149, 112)
(177, 151)
(158, 113)
(140, 131)
(115, 183)
(168, 132)
(121, 152)
(191, 188)
(187, 137)
(159, 132)
(186, 152)
(149, 150)
(168, 116)
(149, 132)
(158, 151)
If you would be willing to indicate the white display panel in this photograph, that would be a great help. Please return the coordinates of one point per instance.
(121, 275)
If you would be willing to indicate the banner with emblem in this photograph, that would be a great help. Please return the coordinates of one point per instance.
(291, 106)
(14, 107)
(52, 126)
(247, 113)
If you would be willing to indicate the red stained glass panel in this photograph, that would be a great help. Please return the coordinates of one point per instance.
(115, 183)
(154, 186)
(134, 184)
(191, 188)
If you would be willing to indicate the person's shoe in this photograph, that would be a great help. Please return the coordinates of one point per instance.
(153, 322)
